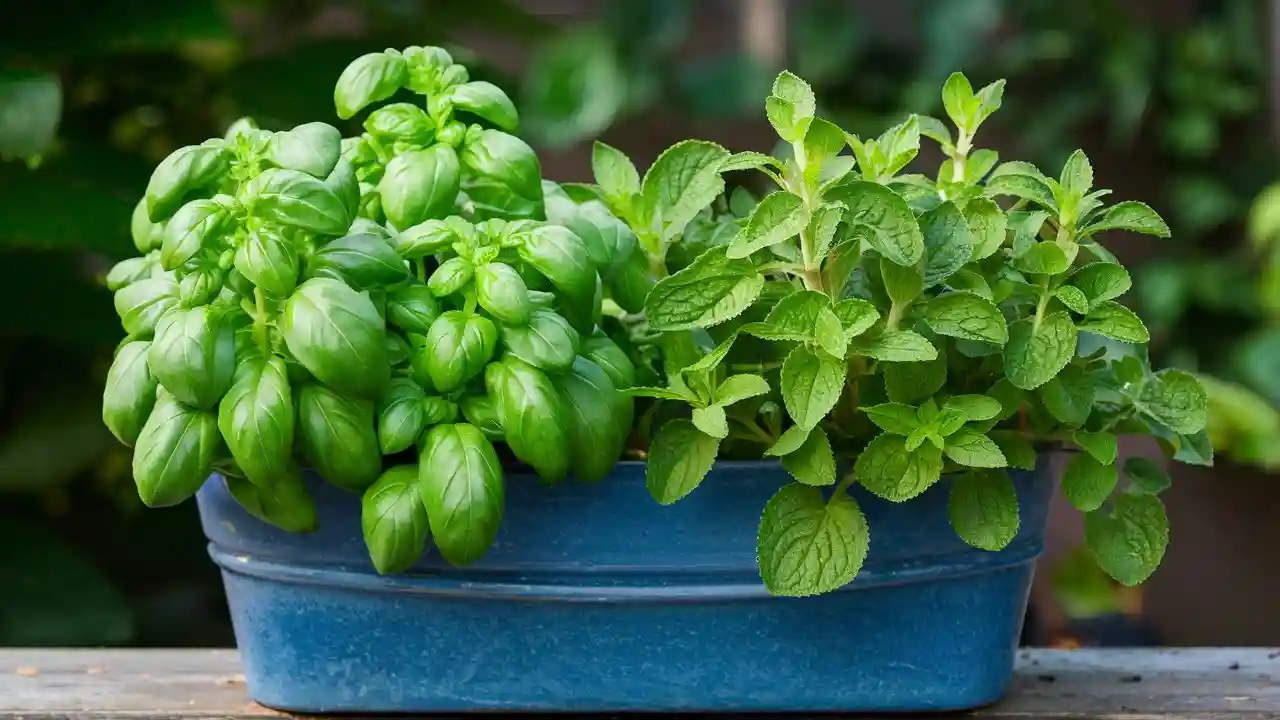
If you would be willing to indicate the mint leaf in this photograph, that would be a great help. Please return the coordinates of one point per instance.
(1128, 541)
(1077, 176)
(794, 318)
(1101, 281)
(970, 280)
(809, 545)
(947, 242)
(660, 393)
(974, 449)
(1069, 396)
(898, 146)
(702, 370)
(614, 172)
(1175, 399)
(987, 224)
(789, 442)
(712, 421)
(1009, 397)
(1146, 477)
(1021, 180)
(958, 101)
(679, 458)
(1101, 445)
(1016, 448)
(983, 507)
(882, 218)
(681, 182)
(1111, 319)
(903, 283)
(889, 470)
(932, 127)
(1043, 258)
(974, 408)
(948, 423)
(813, 462)
(1194, 449)
(1034, 355)
(823, 224)
(1130, 215)
(791, 107)
(989, 100)
(712, 289)
(856, 316)
(740, 387)
(811, 385)
(1088, 483)
(830, 334)
(1073, 297)
(748, 160)
(967, 316)
(892, 417)
(894, 346)
(911, 382)
(823, 141)
(779, 216)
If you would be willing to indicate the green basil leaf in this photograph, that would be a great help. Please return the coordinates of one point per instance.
(1130, 539)
(983, 508)
(481, 411)
(1101, 281)
(393, 519)
(503, 294)
(336, 435)
(402, 416)
(778, 217)
(608, 240)
(561, 257)
(987, 223)
(130, 392)
(1111, 319)
(882, 218)
(174, 452)
(1131, 216)
(1146, 477)
(256, 420)
(548, 342)
(679, 458)
(368, 79)
(420, 185)
(973, 449)
(461, 484)
(614, 172)
(269, 261)
(1101, 445)
(948, 244)
(363, 261)
(889, 470)
(337, 334)
(711, 290)
(1173, 398)
(130, 270)
(812, 463)
(1087, 483)
(630, 283)
(602, 351)
(966, 316)
(1034, 355)
(681, 182)
(142, 304)
(599, 419)
(312, 148)
(184, 172)
(534, 419)
(504, 159)
(194, 355)
(811, 385)
(1069, 396)
(285, 503)
(294, 198)
(141, 227)
(426, 238)
(452, 275)
(401, 122)
(810, 545)
(458, 346)
(487, 101)
(894, 346)
(412, 308)
(196, 225)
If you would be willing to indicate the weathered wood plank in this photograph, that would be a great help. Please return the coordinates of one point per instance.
(1204, 684)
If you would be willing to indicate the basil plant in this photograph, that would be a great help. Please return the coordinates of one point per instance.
(308, 301)
(867, 326)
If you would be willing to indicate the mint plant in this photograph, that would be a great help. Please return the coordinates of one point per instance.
(864, 325)
(304, 300)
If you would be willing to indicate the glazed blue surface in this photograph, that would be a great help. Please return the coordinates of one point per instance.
(596, 598)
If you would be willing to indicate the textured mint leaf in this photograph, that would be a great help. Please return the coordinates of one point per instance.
(989, 101)
(1088, 483)
(968, 316)
(1194, 449)
(892, 417)
(679, 458)
(1043, 258)
(911, 382)
(1073, 297)
(793, 318)
(903, 283)
(1101, 281)
(1175, 399)
(614, 172)
(790, 441)
(830, 334)
(1101, 445)
(736, 388)
(1146, 477)
(948, 244)
(983, 508)
(790, 107)
(987, 224)
(823, 141)
(889, 470)
(959, 102)
(712, 421)
(970, 279)
(779, 216)
(712, 289)
(749, 160)
(948, 423)
(1129, 215)
(809, 545)
(1111, 319)
(898, 146)
(979, 164)
(681, 182)
(1016, 448)
(894, 346)
(1034, 355)
(932, 127)
(811, 385)
(1130, 539)
(1076, 179)
(701, 372)
(823, 224)
(660, 393)
(856, 316)
(920, 192)
(973, 449)
(1021, 180)
(1009, 396)
(883, 218)
(1069, 396)
(812, 463)
(974, 408)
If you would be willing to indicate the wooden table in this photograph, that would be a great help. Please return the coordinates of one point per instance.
(1199, 684)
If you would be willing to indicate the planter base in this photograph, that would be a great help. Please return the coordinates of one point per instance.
(562, 621)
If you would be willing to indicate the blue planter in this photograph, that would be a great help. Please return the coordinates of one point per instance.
(596, 598)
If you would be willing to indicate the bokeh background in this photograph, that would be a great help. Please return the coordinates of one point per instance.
(1177, 103)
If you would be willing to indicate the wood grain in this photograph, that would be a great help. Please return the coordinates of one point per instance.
(1199, 684)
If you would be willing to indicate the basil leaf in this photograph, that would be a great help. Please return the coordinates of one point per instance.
(973, 449)
(294, 198)
(461, 484)
(813, 463)
(312, 148)
(269, 261)
(256, 420)
(679, 458)
(499, 158)
(811, 385)
(394, 520)
(337, 334)
(140, 227)
(182, 173)
(195, 226)
(810, 545)
(487, 101)
(681, 182)
(481, 411)
(194, 355)
(602, 351)
(402, 416)
(174, 452)
(889, 470)
(1034, 355)
(285, 503)
(401, 122)
(948, 244)
(412, 308)
(630, 283)
(534, 419)
(426, 238)
(561, 257)
(363, 261)
(781, 215)
(458, 346)
(967, 316)
(711, 290)
(547, 342)
(336, 436)
(599, 419)
(452, 275)
(1130, 539)
(368, 79)
(983, 508)
(130, 392)
(420, 185)
(502, 293)
(882, 218)
(1111, 319)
